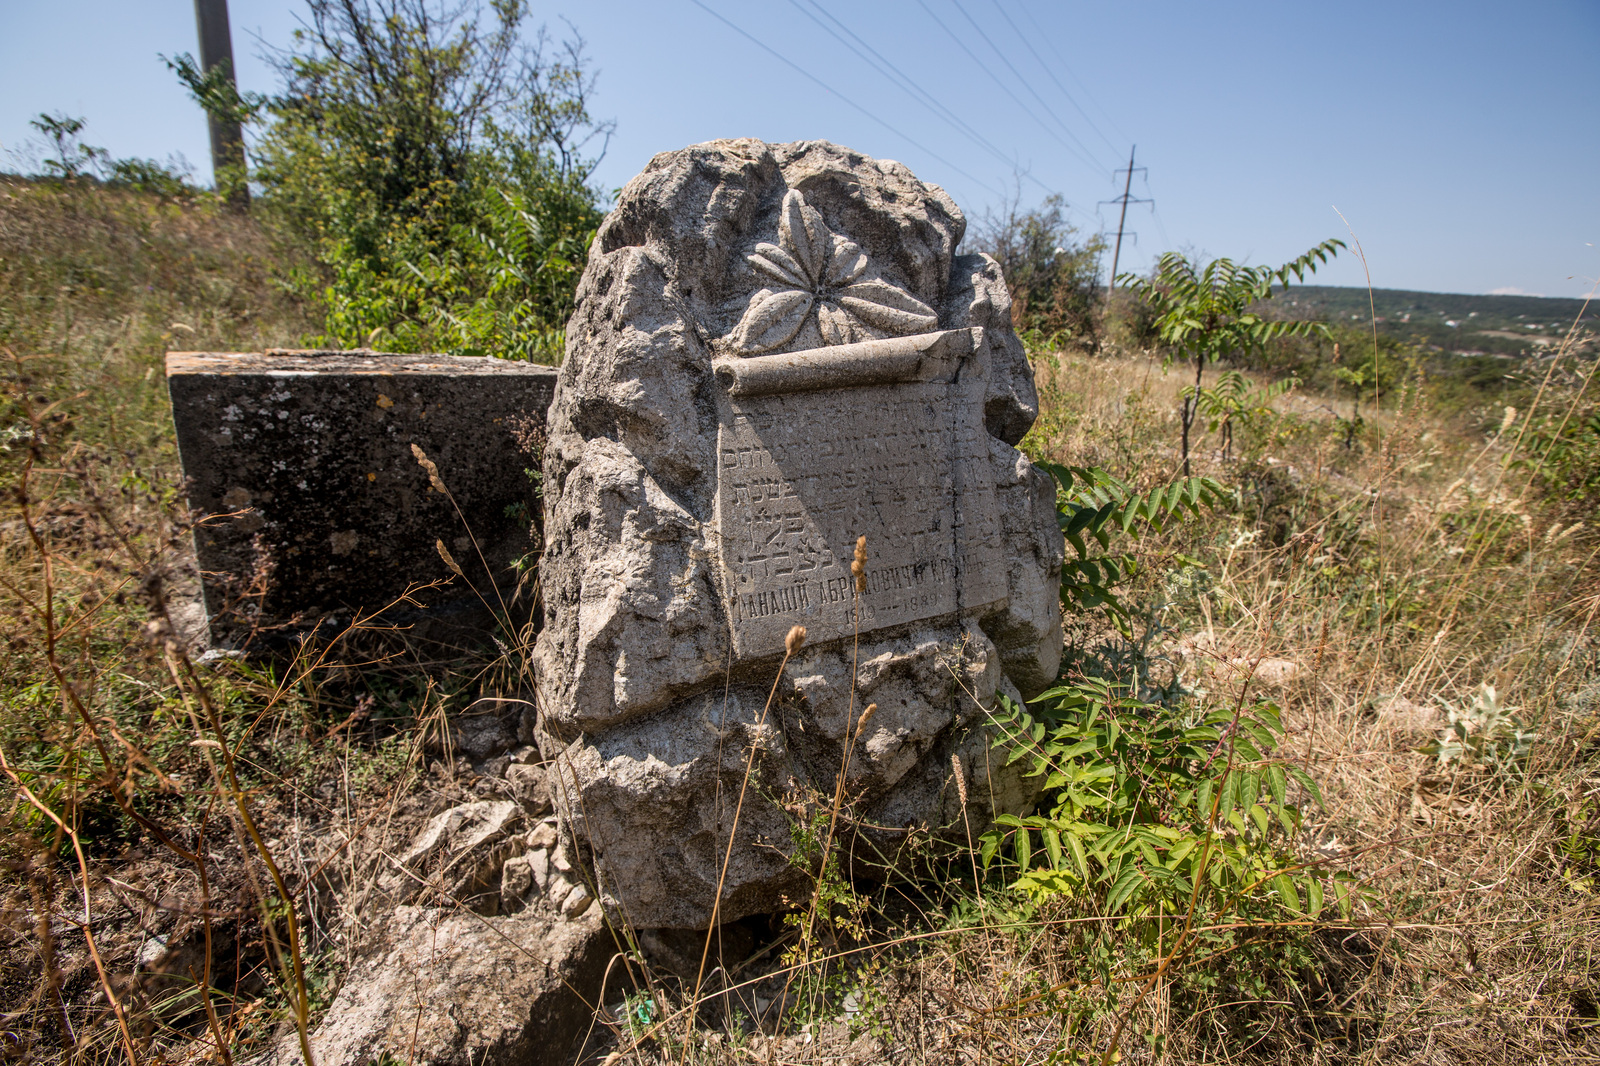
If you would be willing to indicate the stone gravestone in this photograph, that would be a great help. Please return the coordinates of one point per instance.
(777, 351)
(316, 510)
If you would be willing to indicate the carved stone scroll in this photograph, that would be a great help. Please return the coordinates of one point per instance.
(925, 357)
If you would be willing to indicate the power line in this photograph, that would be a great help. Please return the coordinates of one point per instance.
(1165, 240)
(1087, 95)
(1003, 87)
(812, 77)
(1026, 83)
(908, 85)
(1052, 75)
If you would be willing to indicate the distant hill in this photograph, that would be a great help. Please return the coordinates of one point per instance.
(1451, 322)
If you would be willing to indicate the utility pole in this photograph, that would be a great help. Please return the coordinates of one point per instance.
(1122, 219)
(227, 140)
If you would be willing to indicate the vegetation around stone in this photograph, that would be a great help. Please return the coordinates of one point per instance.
(1320, 768)
(1358, 592)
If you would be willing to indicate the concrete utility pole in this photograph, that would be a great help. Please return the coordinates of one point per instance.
(227, 140)
(1124, 200)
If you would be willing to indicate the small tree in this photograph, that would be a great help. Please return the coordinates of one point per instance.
(1234, 402)
(1209, 313)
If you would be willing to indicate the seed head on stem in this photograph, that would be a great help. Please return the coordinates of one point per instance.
(428, 465)
(861, 723)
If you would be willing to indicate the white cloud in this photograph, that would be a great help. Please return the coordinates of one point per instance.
(1512, 290)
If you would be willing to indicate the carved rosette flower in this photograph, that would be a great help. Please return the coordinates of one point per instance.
(818, 270)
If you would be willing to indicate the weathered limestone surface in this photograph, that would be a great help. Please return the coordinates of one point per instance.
(460, 989)
(309, 455)
(776, 350)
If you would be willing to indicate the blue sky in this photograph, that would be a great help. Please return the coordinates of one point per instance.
(1458, 139)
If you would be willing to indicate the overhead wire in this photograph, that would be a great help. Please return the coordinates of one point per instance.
(1087, 95)
(1004, 87)
(1052, 75)
(824, 85)
(1028, 84)
(909, 86)
(1166, 241)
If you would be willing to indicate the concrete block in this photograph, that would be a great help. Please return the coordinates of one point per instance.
(317, 507)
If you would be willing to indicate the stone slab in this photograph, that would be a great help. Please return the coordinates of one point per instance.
(302, 462)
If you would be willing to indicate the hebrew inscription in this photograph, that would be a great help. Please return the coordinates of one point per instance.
(801, 476)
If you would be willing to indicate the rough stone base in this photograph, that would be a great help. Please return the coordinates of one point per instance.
(460, 989)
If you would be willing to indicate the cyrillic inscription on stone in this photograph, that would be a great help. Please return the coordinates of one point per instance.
(801, 476)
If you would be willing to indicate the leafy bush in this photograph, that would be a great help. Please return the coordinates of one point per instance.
(1152, 814)
(1481, 733)
(73, 158)
(1091, 506)
(169, 180)
(73, 161)
(1234, 401)
(1171, 817)
(1562, 455)
(1053, 276)
(438, 167)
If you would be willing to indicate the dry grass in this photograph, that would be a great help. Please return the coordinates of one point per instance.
(1365, 585)
(1384, 581)
(156, 811)
(1364, 582)
(101, 282)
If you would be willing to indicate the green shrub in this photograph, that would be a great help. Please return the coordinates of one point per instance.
(73, 161)
(1093, 505)
(1562, 455)
(1234, 402)
(1053, 276)
(1156, 811)
(1162, 811)
(1482, 733)
(439, 168)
